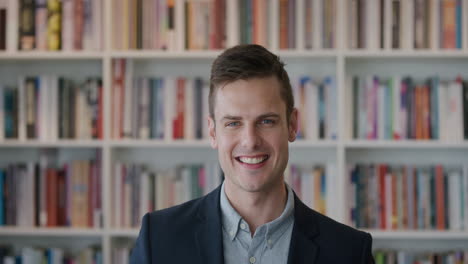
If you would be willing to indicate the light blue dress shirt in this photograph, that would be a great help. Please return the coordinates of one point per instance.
(269, 244)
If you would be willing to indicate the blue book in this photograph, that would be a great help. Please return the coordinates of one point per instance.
(459, 24)
(154, 107)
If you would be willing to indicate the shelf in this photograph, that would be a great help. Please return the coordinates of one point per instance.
(406, 54)
(408, 144)
(418, 235)
(153, 143)
(52, 144)
(56, 232)
(130, 232)
(158, 54)
(52, 55)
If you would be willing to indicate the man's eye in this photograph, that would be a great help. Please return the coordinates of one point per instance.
(268, 121)
(233, 124)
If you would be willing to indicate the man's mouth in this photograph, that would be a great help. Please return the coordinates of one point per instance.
(253, 160)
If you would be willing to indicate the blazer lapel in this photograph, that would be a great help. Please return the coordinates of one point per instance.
(209, 237)
(303, 249)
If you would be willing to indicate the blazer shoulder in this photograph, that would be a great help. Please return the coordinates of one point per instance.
(184, 213)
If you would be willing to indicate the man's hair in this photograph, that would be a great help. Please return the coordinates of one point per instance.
(244, 62)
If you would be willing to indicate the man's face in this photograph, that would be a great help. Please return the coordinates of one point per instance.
(251, 133)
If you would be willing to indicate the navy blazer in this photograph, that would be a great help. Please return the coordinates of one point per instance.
(192, 233)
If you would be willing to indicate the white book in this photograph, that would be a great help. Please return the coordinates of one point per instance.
(372, 24)
(189, 119)
(169, 106)
(21, 109)
(370, 97)
(53, 108)
(272, 25)
(331, 176)
(144, 194)
(407, 23)
(88, 18)
(311, 95)
(68, 31)
(353, 24)
(41, 24)
(434, 28)
(381, 112)
(300, 25)
(12, 25)
(97, 15)
(388, 200)
(43, 164)
(161, 187)
(388, 24)
(144, 113)
(30, 194)
(455, 112)
(442, 107)
(454, 202)
(317, 17)
(128, 99)
(117, 199)
(2, 112)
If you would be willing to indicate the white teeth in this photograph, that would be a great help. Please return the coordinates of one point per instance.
(252, 160)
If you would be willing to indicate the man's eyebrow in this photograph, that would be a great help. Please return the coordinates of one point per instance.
(271, 114)
(230, 117)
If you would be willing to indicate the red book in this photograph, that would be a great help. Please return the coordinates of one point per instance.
(178, 131)
(383, 214)
(283, 26)
(52, 198)
(440, 201)
(62, 199)
(394, 202)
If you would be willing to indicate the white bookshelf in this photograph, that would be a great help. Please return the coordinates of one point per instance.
(340, 62)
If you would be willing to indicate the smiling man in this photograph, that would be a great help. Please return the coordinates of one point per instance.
(254, 216)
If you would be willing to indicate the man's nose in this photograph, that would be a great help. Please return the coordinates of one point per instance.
(251, 138)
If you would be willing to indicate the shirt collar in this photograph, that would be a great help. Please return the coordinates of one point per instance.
(274, 229)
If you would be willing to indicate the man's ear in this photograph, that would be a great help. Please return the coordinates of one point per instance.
(292, 126)
(212, 132)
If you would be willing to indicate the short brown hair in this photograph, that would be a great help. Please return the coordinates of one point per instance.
(244, 62)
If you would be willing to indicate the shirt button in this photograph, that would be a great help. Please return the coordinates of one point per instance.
(269, 241)
(243, 227)
(232, 233)
(252, 259)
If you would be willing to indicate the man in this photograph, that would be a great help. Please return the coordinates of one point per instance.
(253, 217)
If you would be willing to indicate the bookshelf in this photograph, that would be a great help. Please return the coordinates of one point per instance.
(340, 62)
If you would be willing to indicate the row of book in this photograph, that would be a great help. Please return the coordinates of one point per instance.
(48, 108)
(40, 195)
(52, 25)
(138, 189)
(313, 184)
(160, 108)
(29, 255)
(316, 101)
(154, 24)
(402, 24)
(408, 257)
(401, 108)
(384, 196)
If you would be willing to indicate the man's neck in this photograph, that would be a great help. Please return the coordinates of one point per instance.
(257, 208)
